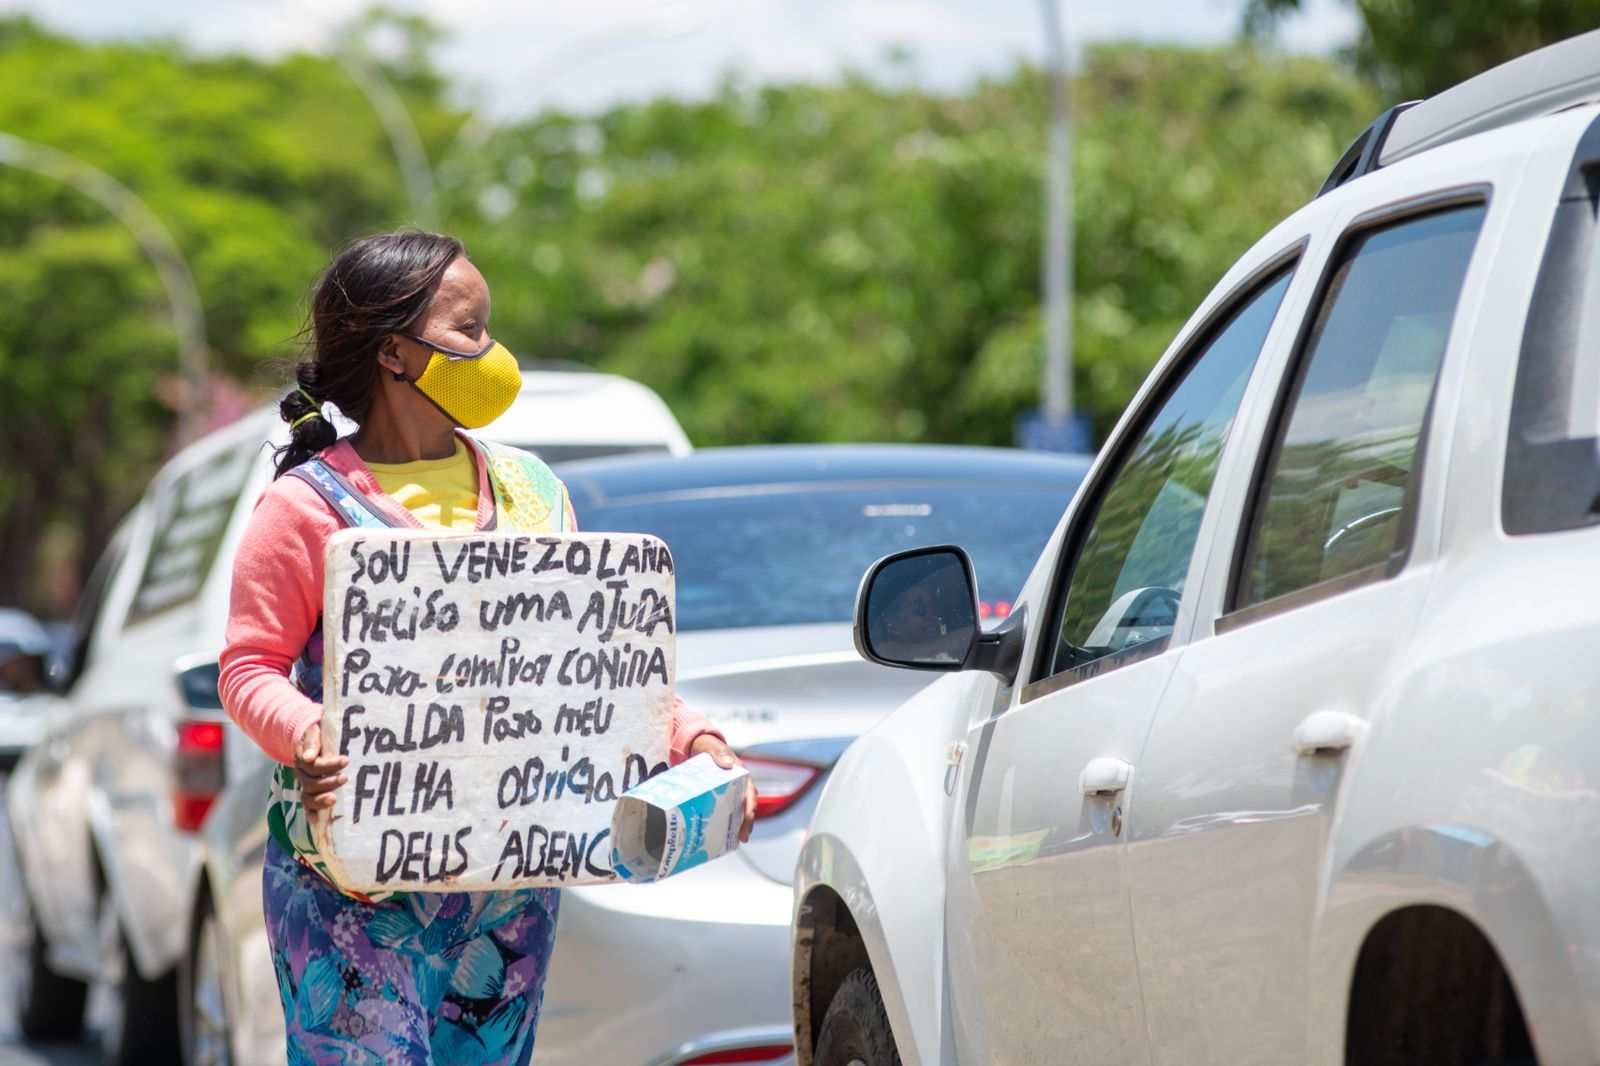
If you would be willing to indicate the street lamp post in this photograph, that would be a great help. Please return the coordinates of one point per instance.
(404, 140)
(1058, 224)
(1055, 427)
(156, 243)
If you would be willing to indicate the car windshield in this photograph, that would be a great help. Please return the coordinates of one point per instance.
(767, 555)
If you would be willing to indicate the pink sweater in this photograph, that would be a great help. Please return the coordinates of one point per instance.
(277, 601)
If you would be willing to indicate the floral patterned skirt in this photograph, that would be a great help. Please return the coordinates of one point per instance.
(419, 978)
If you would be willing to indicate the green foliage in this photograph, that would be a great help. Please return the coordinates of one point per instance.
(784, 263)
(1415, 48)
(854, 262)
(256, 169)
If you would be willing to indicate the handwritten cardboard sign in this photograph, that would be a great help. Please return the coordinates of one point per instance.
(495, 693)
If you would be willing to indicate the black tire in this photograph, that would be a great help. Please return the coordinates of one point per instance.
(856, 1028)
(146, 1031)
(149, 1020)
(52, 1005)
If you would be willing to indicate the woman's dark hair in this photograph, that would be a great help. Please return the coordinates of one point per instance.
(378, 286)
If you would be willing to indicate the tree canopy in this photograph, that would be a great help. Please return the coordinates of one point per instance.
(1415, 48)
(854, 261)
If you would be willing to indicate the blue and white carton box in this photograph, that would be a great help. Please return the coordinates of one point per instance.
(677, 820)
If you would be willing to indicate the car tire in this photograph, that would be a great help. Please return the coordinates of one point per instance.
(143, 1027)
(52, 1005)
(206, 1030)
(855, 1030)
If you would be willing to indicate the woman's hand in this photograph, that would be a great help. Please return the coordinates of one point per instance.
(318, 774)
(714, 746)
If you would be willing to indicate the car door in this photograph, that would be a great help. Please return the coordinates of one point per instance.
(1317, 587)
(1043, 967)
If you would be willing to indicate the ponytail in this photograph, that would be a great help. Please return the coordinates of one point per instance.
(310, 431)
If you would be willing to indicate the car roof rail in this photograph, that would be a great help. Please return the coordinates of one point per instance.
(1544, 81)
(1362, 155)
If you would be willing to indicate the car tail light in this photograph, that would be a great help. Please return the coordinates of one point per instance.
(779, 783)
(764, 1053)
(199, 771)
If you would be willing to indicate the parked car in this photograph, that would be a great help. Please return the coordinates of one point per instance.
(566, 413)
(1286, 753)
(768, 545)
(104, 806)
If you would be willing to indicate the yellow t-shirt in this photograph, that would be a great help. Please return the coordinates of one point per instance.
(441, 493)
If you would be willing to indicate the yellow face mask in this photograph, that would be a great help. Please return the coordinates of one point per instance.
(471, 388)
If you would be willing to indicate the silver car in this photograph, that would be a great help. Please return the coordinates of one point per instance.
(769, 544)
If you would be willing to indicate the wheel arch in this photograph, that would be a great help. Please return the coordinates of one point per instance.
(836, 930)
(888, 869)
(828, 946)
(106, 855)
(1440, 889)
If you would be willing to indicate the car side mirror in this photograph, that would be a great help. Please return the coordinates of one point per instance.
(918, 610)
(65, 663)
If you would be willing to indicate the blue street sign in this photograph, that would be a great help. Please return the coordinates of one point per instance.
(1074, 434)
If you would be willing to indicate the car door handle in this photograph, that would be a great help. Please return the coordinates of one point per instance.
(1104, 776)
(1327, 733)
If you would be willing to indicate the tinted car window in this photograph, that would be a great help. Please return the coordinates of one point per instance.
(90, 610)
(192, 512)
(1128, 576)
(1341, 477)
(784, 554)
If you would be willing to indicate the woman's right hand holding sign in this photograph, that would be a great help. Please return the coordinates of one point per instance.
(319, 774)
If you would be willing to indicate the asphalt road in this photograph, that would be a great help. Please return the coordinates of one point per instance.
(13, 959)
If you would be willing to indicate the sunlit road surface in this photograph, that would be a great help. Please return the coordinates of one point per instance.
(13, 960)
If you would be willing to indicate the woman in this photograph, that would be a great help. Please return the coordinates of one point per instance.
(400, 338)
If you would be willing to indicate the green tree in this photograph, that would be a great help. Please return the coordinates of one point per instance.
(257, 169)
(842, 262)
(857, 262)
(1415, 48)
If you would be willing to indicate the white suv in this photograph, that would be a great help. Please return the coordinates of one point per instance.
(1289, 752)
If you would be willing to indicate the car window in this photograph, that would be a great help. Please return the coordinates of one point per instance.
(191, 517)
(1340, 480)
(1127, 578)
(90, 611)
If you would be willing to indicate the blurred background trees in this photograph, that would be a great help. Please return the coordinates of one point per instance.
(856, 262)
(256, 169)
(851, 261)
(1414, 48)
